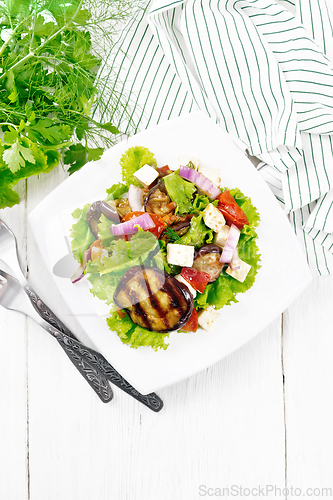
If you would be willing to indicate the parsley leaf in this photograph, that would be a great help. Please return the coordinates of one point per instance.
(17, 155)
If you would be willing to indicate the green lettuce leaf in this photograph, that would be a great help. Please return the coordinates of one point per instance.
(124, 254)
(180, 191)
(198, 234)
(132, 160)
(81, 234)
(135, 336)
(104, 231)
(116, 191)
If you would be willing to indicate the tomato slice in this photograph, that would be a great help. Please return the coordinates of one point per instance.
(192, 324)
(232, 212)
(197, 279)
(160, 225)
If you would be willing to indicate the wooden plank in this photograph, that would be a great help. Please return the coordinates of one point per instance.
(14, 473)
(308, 354)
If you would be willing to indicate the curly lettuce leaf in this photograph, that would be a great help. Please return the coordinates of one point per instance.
(200, 202)
(132, 160)
(103, 286)
(246, 205)
(81, 234)
(135, 336)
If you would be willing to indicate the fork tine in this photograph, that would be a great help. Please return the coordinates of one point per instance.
(8, 250)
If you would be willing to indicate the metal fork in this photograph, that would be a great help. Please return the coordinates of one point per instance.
(9, 255)
(13, 297)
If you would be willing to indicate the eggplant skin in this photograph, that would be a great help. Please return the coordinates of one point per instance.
(96, 210)
(154, 299)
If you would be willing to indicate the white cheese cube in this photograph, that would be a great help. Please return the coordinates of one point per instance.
(184, 160)
(146, 175)
(222, 236)
(180, 255)
(213, 174)
(241, 273)
(207, 318)
(182, 280)
(213, 218)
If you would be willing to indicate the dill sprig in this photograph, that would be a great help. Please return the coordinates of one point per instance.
(171, 234)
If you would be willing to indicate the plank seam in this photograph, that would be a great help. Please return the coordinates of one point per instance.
(25, 266)
(284, 407)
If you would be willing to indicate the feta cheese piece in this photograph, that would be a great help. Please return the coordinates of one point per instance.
(241, 273)
(222, 236)
(207, 318)
(213, 218)
(98, 253)
(213, 174)
(184, 160)
(180, 255)
(146, 175)
(182, 280)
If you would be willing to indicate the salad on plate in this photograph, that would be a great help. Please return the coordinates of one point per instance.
(166, 250)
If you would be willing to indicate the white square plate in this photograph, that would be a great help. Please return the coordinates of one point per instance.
(283, 275)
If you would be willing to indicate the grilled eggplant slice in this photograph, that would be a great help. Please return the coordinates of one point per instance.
(207, 259)
(154, 299)
(158, 201)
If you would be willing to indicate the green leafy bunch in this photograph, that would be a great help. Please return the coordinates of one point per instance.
(51, 83)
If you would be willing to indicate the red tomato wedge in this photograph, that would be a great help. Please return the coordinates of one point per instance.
(162, 170)
(160, 225)
(121, 314)
(192, 324)
(197, 279)
(231, 211)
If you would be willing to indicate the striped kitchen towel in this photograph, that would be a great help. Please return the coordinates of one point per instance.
(263, 69)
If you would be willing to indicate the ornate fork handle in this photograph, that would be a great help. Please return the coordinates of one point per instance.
(45, 312)
(93, 358)
(76, 352)
(151, 400)
(78, 355)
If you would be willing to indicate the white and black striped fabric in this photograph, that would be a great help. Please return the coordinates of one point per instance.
(263, 69)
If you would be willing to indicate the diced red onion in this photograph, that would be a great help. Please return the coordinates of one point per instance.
(230, 245)
(144, 221)
(203, 183)
(135, 198)
(86, 257)
(235, 261)
(79, 273)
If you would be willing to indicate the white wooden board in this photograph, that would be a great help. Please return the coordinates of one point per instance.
(227, 426)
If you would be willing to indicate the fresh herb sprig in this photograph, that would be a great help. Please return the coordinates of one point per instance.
(51, 54)
(171, 234)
